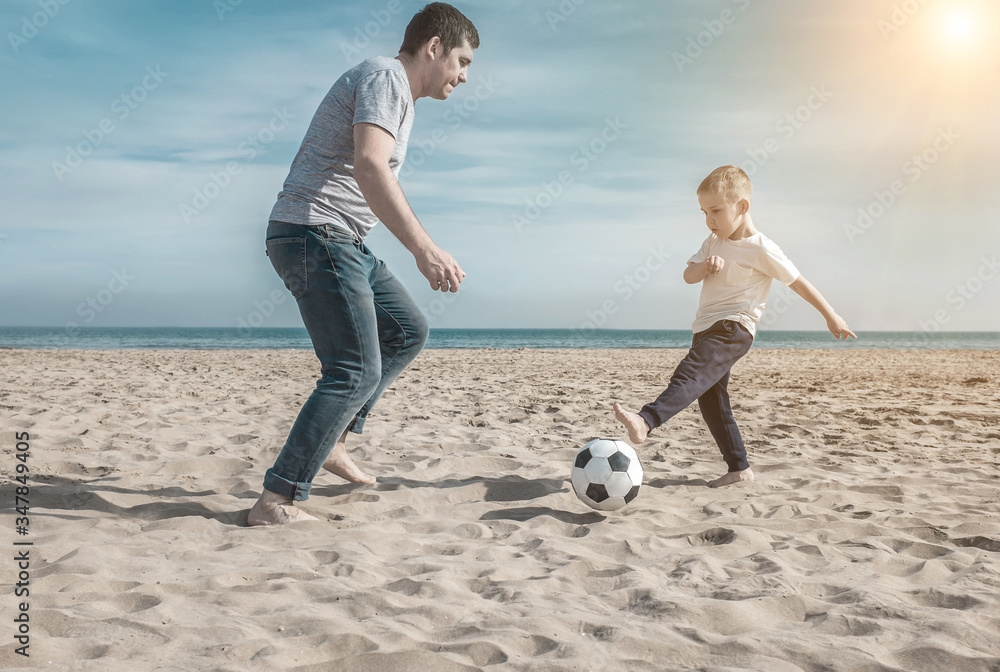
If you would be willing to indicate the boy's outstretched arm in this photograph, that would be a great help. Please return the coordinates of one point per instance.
(834, 322)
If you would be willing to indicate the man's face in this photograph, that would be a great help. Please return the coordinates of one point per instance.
(450, 69)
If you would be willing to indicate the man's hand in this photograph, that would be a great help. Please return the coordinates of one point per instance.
(441, 270)
(838, 327)
(715, 264)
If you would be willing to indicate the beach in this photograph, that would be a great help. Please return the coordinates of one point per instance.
(869, 542)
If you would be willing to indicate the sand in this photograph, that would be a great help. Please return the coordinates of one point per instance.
(870, 542)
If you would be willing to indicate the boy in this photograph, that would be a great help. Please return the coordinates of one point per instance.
(735, 264)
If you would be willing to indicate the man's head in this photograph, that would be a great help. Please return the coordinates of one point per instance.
(725, 197)
(439, 41)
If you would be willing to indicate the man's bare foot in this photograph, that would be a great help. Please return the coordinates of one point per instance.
(637, 428)
(732, 477)
(341, 464)
(275, 509)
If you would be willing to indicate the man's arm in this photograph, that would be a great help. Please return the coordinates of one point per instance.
(373, 147)
(835, 323)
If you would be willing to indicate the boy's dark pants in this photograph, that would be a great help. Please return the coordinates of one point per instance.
(703, 374)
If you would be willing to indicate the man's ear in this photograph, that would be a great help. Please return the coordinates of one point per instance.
(433, 47)
(744, 206)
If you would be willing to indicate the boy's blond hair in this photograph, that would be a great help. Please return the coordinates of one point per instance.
(730, 181)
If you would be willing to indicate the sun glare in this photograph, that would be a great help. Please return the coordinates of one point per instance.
(961, 27)
(965, 26)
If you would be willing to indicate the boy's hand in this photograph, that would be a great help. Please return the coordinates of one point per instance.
(834, 322)
(838, 327)
(696, 272)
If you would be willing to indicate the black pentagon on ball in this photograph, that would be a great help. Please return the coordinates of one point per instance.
(632, 494)
(583, 458)
(619, 461)
(597, 492)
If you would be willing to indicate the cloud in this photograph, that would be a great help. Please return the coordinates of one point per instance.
(541, 89)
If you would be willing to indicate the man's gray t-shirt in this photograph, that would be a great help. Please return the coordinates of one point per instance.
(320, 188)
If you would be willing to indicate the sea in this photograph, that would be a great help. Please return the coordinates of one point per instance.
(223, 338)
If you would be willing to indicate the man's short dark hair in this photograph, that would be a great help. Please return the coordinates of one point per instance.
(439, 19)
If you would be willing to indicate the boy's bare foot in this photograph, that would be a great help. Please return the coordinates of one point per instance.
(732, 477)
(637, 428)
(275, 509)
(341, 464)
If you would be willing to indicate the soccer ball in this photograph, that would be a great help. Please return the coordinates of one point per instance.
(606, 474)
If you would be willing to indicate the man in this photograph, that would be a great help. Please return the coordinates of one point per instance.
(364, 326)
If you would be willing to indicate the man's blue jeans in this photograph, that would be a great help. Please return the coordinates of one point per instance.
(703, 374)
(364, 327)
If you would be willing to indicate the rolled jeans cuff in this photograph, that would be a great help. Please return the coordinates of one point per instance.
(649, 419)
(298, 492)
(358, 424)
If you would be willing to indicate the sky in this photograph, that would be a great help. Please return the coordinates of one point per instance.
(142, 145)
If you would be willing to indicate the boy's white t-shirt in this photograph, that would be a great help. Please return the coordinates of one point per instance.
(740, 289)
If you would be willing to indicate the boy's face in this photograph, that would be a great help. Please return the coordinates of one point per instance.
(722, 216)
